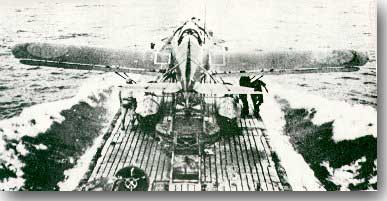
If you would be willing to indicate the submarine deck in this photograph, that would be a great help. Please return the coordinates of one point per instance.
(234, 163)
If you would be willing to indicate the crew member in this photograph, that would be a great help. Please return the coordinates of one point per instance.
(128, 103)
(257, 99)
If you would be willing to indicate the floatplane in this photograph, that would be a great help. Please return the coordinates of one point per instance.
(189, 108)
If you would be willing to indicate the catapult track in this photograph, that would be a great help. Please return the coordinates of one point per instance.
(236, 163)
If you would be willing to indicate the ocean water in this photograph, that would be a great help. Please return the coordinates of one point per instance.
(31, 93)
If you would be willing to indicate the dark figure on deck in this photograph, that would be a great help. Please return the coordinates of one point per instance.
(128, 103)
(257, 99)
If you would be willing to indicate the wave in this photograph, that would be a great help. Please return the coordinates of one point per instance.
(46, 139)
(73, 176)
(350, 121)
(299, 175)
(332, 137)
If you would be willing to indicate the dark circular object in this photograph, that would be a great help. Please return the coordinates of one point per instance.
(131, 179)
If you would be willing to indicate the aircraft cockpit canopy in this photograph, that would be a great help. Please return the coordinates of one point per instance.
(191, 32)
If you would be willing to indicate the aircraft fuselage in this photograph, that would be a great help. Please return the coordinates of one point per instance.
(190, 53)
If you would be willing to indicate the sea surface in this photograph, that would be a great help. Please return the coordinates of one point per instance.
(261, 25)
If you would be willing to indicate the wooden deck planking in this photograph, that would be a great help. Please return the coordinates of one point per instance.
(155, 164)
(264, 162)
(229, 167)
(252, 135)
(128, 147)
(202, 169)
(257, 170)
(248, 164)
(111, 153)
(271, 169)
(234, 168)
(184, 187)
(137, 150)
(133, 148)
(160, 168)
(124, 138)
(224, 181)
(166, 168)
(150, 155)
(105, 153)
(207, 170)
(252, 161)
(142, 155)
(239, 163)
(133, 144)
(255, 155)
(212, 165)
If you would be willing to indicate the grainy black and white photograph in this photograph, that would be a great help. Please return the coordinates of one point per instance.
(179, 95)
